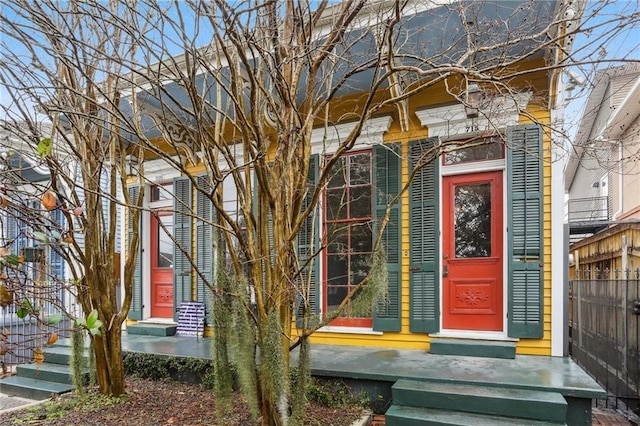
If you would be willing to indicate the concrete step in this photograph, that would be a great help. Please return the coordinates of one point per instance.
(481, 399)
(477, 348)
(60, 354)
(152, 329)
(29, 388)
(49, 372)
(398, 415)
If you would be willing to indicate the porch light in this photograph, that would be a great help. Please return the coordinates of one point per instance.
(473, 97)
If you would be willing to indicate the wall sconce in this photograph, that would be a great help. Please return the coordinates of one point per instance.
(473, 97)
(131, 164)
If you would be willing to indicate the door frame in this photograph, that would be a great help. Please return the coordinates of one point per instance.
(471, 168)
(154, 239)
(145, 240)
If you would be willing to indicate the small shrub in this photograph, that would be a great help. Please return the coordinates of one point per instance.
(159, 367)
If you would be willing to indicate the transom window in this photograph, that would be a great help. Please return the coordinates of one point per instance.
(347, 221)
(480, 150)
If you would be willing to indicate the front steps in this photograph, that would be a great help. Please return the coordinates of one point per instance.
(39, 382)
(434, 403)
(152, 329)
(476, 348)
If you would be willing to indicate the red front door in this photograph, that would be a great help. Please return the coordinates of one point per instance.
(472, 264)
(161, 266)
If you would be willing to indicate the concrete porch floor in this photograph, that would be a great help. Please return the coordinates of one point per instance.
(388, 365)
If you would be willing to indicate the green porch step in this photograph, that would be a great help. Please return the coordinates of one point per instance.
(398, 415)
(26, 387)
(152, 329)
(477, 348)
(481, 399)
(49, 372)
(60, 354)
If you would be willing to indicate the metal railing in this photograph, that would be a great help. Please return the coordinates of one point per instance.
(604, 330)
(20, 333)
(588, 209)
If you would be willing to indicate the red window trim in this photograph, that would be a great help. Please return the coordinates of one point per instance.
(344, 321)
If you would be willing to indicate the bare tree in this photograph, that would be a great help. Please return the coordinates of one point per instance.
(61, 66)
(239, 91)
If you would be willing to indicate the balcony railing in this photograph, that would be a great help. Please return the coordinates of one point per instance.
(588, 215)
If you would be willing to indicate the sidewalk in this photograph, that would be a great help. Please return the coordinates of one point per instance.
(11, 403)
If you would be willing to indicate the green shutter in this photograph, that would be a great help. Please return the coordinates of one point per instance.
(424, 302)
(182, 234)
(525, 245)
(135, 312)
(204, 244)
(308, 244)
(386, 317)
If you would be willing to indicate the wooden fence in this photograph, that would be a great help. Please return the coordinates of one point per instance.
(604, 308)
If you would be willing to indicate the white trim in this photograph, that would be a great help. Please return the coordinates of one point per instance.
(473, 167)
(349, 330)
(558, 259)
(325, 140)
(451, 120)
(464, 169)
(159, 171)
(145, 259)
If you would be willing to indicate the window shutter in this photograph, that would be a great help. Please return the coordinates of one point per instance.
(308, 244)
(182, 234)
(204, 244)
(424, 303)
(135, 312)
(525, 245)
(386, 316)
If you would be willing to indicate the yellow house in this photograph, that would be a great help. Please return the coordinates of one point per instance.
(474, 246)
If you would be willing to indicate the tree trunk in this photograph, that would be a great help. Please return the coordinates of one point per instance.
(109, 363)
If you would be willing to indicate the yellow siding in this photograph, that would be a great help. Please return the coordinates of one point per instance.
(406, 340)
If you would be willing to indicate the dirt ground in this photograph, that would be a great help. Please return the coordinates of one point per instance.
(152, 403)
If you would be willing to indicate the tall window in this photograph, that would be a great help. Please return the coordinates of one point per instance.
(349, 236)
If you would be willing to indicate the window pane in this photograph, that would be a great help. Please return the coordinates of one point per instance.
(337, 174)
(165, 244)
(473, 220)
(164, 192)
(337, 270)
(335, 296)
(489, 151)
(360, 202)
(360, 265)
(336, 204)
(360, 169)
(337, 239)
(361, 238)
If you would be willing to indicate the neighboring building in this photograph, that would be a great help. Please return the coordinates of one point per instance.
(602, 176)
(475, 248)
(22, 180)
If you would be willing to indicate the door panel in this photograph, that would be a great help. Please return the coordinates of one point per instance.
(161, 266)
(472, 257)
